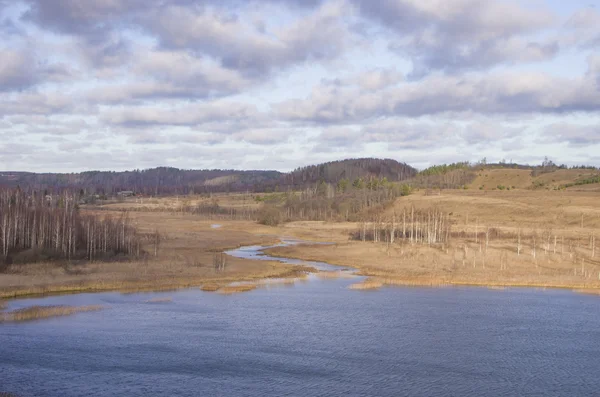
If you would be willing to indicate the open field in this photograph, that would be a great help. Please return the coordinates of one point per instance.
(180, 203)
(557, 229)
(185, 259)
(557, 248)
(490, 179)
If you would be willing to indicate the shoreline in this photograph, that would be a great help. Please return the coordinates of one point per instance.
(278, 270)
(387, 280)
(133, 286)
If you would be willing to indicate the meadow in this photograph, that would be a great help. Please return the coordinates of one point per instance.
(538, 232)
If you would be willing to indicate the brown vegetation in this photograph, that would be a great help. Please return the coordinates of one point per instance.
(527, 237)
(516, 238)
(185, 259)
(159, 300)
(210, 287)
(237, 288)
(40, 312)
(368, 284)
(33, 227)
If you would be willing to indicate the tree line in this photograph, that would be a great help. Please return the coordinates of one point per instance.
(345, 201)
(174, 181)
(35, 227)
(427, 226)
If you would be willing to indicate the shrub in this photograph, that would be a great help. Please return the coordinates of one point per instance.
(270, 216)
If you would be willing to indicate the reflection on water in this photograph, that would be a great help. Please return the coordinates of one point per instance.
(312, 339)
(257, 252)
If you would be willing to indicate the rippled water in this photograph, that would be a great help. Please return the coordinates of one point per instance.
(315, 338)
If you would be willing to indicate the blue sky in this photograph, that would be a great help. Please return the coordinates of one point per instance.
(277, 84)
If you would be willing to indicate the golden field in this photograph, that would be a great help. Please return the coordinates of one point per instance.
(563, 224)
(185, 259)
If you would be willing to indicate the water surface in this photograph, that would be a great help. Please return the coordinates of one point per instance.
(316, 338)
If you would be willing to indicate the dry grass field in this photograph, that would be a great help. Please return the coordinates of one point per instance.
(489, 179)
(185, 259)
(557, 229)
(180, 203)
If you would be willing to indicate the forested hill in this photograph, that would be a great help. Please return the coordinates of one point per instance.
(350, 169)
(166, 180)
(155, 181)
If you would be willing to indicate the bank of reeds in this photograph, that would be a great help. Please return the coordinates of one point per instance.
(41, 312)
(368, 284)
(153, 283)
(334, 274)
(210, 287)
(234, 289)
(159, 300)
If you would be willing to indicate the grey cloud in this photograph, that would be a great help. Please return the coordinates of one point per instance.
(31, 103)
(339, 136)
(477, 133)
(583, 29)
(500, 93)
(189, 115)
(318, 36)
(71, 146)
(17, 70)
(21, 70)
(483, 56)
(377, 79)
(462, 34)
(401, 134)
(196, 138)
(172, 74)
(43, 124)
(91, 19)
(241, 53)
(269, 136)
(573, 134)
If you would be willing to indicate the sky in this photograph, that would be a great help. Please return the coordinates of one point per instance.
(279, 84)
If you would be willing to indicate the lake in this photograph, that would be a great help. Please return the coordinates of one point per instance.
(313, 338)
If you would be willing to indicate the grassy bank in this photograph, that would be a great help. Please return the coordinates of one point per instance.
(41, 312)
(185, 259)
(538, 239)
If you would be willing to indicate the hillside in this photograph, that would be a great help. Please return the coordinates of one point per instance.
(506, 178)
(156, 181)
(351, 169)
(166, 180)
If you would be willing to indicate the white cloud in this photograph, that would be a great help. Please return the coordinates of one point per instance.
(201, 83)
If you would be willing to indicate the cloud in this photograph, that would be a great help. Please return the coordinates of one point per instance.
(20, 70)
(16, 70)
(583, 29)
(32, 103)
(462, 34)
(497, 93)
(239, 45)
(188, 115)
(90, 19)
(171, 74)
(483, 133)
(573, 134)
(273, 82)
(378, 79)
